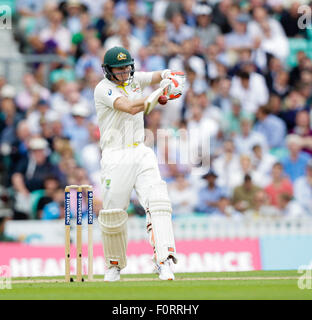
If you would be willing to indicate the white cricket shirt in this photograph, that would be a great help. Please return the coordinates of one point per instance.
(119, 129)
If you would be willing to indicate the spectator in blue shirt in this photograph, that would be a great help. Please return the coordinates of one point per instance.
(295, 162)
(303, 189)
(272, 127)
(209, 196)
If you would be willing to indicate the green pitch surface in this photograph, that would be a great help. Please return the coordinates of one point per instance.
(189, 286)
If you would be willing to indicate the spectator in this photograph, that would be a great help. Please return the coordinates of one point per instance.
(226, 163)
(243, 195)
(250, 89)
(232, 119)
(271, 127)
(262, 163)
(76, 127)
(73, 9)
(225, 210)
(201, 130)
(90, 61)
(303, 63)
(290, 208)
(124, 38)
(206, 30)
(189, 16)
(54, 209)
(303, 188)
(67, 96)
(177, 30)
(10, 117)
(28, 12)
(295, 162)
(220, 15)
(239, 37)
(209, 196)
(5, 214)
(182, 195)
(293, 103)
(41, 112)
(271, 33)
(280, 85)
(280, 185)
(302, 129)
(90, 154)
(91, 80)
(50, 186)
(142, 29)
(245, 141)
(223, 99)
(289, 21)
(30, 174)
(187, 56)
(245, 167)
(155, 60)
(261, 207)
(18, 149)
(106, 25)
(32, 92)
(55, 38)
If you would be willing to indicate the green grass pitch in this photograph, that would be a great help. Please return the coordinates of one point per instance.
(251, 285)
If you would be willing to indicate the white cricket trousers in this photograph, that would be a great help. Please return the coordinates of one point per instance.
(133, 167)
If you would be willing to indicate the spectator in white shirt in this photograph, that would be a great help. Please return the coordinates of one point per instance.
(226, 164)
(250, 89)
(247, 138)
(200, 130)
(270, 32)
(56, 38)
(183, 197)
(262, 163)
(290, 208)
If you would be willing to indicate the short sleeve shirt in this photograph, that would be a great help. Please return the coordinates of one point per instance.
(118, 128)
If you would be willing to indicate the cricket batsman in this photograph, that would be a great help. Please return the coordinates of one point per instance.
(128, 164)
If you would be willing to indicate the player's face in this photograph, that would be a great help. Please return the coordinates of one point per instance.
(122, 73)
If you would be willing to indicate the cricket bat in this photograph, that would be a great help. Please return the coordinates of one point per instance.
(151, 102)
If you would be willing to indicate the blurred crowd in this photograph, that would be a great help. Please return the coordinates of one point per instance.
(247, 100)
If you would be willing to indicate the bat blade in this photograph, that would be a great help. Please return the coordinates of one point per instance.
(151, 102)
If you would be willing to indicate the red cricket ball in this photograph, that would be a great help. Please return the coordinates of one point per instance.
(162, 99)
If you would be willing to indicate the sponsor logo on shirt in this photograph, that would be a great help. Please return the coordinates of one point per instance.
(135, 87)
(109, 92)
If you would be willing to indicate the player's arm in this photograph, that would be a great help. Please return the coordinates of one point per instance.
(164, 74)
(156, 77)
(160, 75)
(132, 107)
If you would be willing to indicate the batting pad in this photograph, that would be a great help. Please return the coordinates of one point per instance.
(160, 217)
(113, 224)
